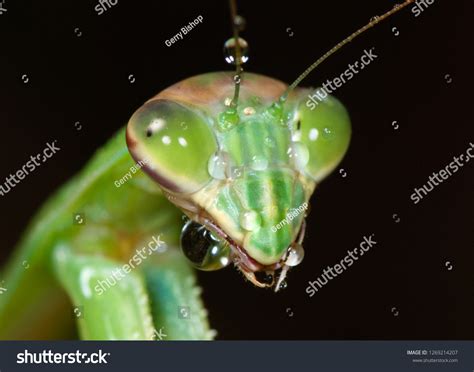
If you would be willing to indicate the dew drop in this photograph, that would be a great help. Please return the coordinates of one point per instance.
(230, 51)
(249, 111)
(228, 119)
(250, 220)
(237, 79)
(296, 136)
(259, 163)
(295, 255)
(299, 153)
(275, 113)
(283, 285)
(275, 110)
(217, 166)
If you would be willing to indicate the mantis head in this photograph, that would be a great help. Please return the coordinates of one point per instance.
(243, 175)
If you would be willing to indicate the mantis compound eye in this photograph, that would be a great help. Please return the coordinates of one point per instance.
(174, 142)
(203, 249)
(324, 127)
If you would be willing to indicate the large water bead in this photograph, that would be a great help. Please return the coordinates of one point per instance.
(230, 50)
(299, 153)
(295, 255)
(203, 249)
(220, 166)
(250, 220)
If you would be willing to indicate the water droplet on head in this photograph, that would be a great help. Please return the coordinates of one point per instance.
(283, 285)
(249, 111)
(259, 163)
(299, 153)
(275, 110)
(250, 220)
(217, 166)
(275, 113)
(230, 51)
(296, 136)
(228, 119)
(295, 255)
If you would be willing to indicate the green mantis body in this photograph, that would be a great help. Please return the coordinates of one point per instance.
(118, 221)
(237, 171)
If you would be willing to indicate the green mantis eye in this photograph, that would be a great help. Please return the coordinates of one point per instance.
(205, 251)
(174, 143)
(325, 129)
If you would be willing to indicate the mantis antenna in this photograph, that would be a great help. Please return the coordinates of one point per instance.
(338, 46)
(238, 63)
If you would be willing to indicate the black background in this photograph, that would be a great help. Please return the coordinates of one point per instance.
(86, 78)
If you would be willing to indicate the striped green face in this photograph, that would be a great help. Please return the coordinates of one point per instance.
(246, 174)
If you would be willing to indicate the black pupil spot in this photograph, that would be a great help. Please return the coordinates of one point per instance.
(298, 125)
(149, 132)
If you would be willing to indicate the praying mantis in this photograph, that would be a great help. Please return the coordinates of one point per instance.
(236, 153)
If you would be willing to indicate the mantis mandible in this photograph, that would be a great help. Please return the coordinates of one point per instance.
(234, 152)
